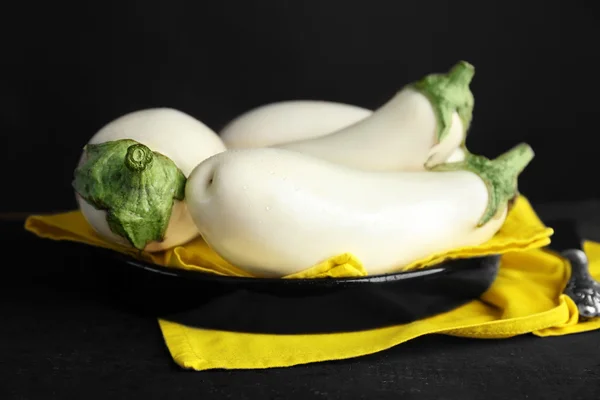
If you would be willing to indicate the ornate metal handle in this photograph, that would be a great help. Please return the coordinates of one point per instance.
(582, 288)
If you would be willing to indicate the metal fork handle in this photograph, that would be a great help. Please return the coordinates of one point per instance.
(582, 288)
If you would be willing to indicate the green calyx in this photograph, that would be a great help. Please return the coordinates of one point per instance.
(499, 175)
(448, 93)
(134, 185)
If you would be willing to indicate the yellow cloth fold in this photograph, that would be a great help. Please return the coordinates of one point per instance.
(525, 298)
(521, 231)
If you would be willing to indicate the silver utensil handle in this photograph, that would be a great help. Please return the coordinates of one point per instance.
(582, 287)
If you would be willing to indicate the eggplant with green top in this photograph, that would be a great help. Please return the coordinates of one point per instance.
(130, 181)
(420, 127)
(275, 212)
(288, 121)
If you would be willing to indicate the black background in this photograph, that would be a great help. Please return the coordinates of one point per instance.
(69, 68)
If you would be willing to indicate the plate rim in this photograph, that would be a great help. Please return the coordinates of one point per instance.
(446, 266)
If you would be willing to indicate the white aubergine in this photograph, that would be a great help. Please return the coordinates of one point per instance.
(420, 127)
(130, 180)
(275, 212)
(286, 121)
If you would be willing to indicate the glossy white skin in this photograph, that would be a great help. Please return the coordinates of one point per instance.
(180, 137)
(275, 212)
(287, 121)
(399, 136)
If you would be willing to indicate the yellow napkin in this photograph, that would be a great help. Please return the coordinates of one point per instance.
(525, 298)
(521, 231)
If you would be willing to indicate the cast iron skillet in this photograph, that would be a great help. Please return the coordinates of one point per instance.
(296, 306)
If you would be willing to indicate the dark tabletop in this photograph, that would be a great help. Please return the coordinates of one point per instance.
(66, 331)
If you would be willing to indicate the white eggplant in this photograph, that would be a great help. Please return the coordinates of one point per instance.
(275, 212)
(287, 121)
(418, 128)
(131, 177)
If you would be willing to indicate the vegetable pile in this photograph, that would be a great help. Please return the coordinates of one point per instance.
(288, 185)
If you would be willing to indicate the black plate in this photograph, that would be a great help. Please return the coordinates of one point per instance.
(296, 306)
